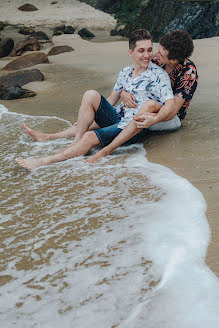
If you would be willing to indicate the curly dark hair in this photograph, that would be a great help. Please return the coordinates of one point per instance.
(138, 35)
(179, 44)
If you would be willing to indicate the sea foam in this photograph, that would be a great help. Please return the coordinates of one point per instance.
(121, 243)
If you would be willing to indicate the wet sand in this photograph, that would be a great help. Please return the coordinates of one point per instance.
(192, 152)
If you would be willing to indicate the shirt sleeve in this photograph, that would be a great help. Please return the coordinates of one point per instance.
(187, 83)
(119, 83)
(164, 88)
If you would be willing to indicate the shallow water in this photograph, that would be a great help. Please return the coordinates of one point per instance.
(121, 243)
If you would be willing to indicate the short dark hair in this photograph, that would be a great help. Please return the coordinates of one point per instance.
(179, 44)
(137, 35)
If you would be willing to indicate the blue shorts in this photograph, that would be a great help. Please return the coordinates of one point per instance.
(108, 120)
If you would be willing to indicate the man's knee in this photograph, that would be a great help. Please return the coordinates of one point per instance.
(91, 94)
(92, 97)
(91, 138)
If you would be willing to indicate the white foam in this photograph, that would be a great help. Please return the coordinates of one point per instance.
(119, 243)
(3, 110)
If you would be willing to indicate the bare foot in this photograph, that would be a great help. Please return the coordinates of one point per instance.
(30, 163)
(36, 135)
(96, 157)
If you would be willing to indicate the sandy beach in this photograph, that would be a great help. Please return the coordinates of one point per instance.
(192, 152)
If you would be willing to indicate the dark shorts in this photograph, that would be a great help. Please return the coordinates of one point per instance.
(108, 120)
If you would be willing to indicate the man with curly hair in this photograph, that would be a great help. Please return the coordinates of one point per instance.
(173, 54)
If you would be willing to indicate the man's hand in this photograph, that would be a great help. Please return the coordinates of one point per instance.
(144, 120)
(128, 99)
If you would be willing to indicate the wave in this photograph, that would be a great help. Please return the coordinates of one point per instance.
(121, 243)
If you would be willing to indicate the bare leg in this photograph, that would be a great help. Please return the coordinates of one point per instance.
(127, 133)
(88, 141)
(89, 104)
(70, 132)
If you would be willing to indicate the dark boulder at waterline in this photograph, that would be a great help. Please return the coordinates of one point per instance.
(85, 33)
(20, 78)
(15, 92)
(59, 49)
(6, 46)
(64, 29)
(40, 35)
(27, 61)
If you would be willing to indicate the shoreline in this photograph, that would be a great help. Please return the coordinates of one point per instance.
(191, 152)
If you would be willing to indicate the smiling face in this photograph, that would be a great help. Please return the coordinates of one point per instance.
(162, 55)
(142, 53)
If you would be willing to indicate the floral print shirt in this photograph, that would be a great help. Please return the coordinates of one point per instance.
(184, 80)
(154, 83)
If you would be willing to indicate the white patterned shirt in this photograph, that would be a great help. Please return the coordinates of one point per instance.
(154, 83)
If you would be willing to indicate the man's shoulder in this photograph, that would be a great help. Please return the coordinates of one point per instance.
(187, 65)
(127, 69)
(157, 69)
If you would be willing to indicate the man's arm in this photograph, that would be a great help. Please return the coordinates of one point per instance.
(145, 119)
(114, 97)
(178, 104)
(128, 99)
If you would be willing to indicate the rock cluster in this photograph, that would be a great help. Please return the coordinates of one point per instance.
(63, 29)
(11, 83)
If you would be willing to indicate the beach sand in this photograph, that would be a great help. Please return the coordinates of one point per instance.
(192, 152)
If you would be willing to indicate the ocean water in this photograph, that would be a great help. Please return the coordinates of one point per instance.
(120, 243)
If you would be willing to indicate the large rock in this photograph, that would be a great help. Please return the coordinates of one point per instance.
(59, 49)
(64, 29)
(21, 78)
(85, 33)
(40, 35)
(6, 45)
(159, 17)
(199, 18)
(27, 7)
(15, 92)
(69, 29)
(27, 61)
(26, 45)
(25, 30)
